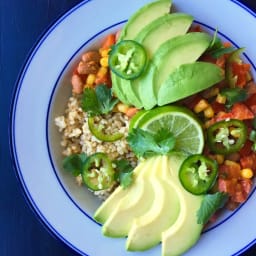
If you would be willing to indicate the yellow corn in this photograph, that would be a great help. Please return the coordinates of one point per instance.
(208, 112)
(221, 99)
(104, 61)
(104, 52)
(232, 163)
(211, 92)
(90, 79)
(219, 158)
(122, 107)
(102, 71)
(201, 106)
(247, 173)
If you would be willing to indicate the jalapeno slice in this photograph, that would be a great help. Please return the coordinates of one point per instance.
(98, 173)
(227, 137)
(97, 131)
(128, 59)
(234, 57)
(198, 174)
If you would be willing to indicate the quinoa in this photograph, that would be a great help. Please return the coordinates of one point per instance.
(77, 137)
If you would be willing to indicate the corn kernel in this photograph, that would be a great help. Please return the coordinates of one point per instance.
(232, 163)
(221, 99)
(211, 92)
(90, 79)
(208, 112)
(219, 158)
(247, 173)
(102, 71)
(201, 106)
(104, 61)
(122, 107)
(104, 52)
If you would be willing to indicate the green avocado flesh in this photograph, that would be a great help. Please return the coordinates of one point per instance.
(158, 31)
(170, 55)
(155, 208)
(188, 79)
(137, 22)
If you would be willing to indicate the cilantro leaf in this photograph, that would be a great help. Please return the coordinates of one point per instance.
(146, 144)
(74, 163)
(216, 48)
(105, 98)
(98, 101)
(216, 53)
(124, 172)
(210, 204)
(234, 95)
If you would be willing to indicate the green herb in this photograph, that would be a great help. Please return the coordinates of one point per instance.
(216, 48)
(146, 144)
(252, 137)
(98, 101)
(124, 172)
(216, 53)
(74, 163)
(234, 95)
(210, 204)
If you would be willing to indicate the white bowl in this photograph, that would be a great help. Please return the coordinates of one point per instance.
(42, 93)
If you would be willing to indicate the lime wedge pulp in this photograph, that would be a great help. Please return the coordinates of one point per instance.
(184, 125)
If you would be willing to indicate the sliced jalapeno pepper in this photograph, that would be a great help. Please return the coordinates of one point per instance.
(98, 173)
(198, 174)
(234, 57)
(128, 59)
(99, 134)
(226, 137)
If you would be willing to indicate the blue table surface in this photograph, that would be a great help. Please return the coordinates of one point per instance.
(22, 23)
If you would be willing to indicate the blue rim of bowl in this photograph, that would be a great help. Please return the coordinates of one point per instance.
(15, 160)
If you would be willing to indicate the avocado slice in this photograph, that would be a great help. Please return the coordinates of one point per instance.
(107, 207)
(151, 37)
(170, 55)
(146, 230)
(134, 204)
(188, 79)
(185, 232)
(137, 22)
(143, 16)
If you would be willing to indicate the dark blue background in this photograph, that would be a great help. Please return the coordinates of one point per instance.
(22, 23)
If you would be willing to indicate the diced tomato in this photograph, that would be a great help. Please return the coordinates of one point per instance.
(251, 103)
(230, 169)
(241, 111)
(249, 161)
(246, 149)
(251, 88)
(196, 28)
(246, 185)
(217, 107)
(109, 41)
(240, 70)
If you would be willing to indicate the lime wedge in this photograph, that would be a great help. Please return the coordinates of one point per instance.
(136, 118)
(184, 125)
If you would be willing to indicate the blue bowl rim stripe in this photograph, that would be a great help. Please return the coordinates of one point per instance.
(12, 145)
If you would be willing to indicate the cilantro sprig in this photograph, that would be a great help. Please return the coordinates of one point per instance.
(74, 163)
(234, 95)
(146, 144)
(216, 48)
(210, 204)
(98, 101)
(124, 172)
